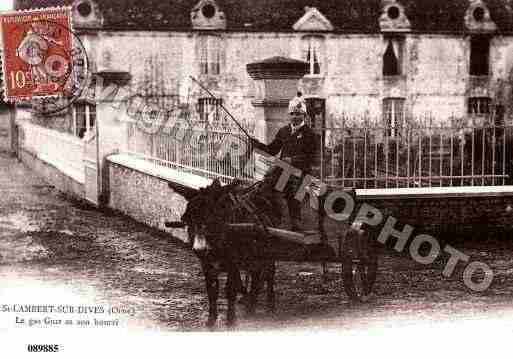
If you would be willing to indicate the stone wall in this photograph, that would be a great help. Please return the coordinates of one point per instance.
(447, 219)
(456, 218)
(52, 175)
(145, 198)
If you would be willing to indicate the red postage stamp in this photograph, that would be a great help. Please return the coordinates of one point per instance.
(37, 53)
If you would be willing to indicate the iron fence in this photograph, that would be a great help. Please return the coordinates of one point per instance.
(354, 152)
(458, 152)
(213, 149)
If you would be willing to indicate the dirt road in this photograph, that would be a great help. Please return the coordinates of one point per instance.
(59, 250)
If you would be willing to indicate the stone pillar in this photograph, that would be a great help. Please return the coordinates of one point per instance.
(111, 126)
(276, 81)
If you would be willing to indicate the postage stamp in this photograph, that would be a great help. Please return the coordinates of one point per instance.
(37, 60)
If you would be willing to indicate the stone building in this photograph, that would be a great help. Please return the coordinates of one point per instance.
(394, 60)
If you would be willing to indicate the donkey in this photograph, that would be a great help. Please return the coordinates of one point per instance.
(209, 216)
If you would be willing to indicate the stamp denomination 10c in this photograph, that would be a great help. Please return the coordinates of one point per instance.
(37, 53)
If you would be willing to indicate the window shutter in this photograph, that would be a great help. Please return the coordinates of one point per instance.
(316, 64)
(396, 48)
(308, 57)
(316, 47)
(212, 56)
(221, 54)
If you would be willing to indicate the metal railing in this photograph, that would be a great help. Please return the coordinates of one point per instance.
(465, 152)
(358, 154)
(210, 149)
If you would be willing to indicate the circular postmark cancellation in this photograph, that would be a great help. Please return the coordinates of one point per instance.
(71, 72)
(45, 63)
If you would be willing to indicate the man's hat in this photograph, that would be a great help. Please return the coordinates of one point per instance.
(297, 104)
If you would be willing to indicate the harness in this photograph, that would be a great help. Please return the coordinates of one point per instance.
(243, 206)
(246, 200)
(243, 202)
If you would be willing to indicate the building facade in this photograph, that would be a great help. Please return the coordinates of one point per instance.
(391, 60)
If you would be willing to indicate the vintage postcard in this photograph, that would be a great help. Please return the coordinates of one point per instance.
(256, 178)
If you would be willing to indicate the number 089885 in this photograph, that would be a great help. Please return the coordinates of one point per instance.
(45, 348)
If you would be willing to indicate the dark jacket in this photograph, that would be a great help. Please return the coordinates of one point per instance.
(300, 147)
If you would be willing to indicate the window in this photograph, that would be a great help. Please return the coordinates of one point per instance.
(210, 55)
(208, 10)
(312, 54)
(393, 12)
(479, 106)
(84, 118)
(479, 55)
(209, 109)
(84, 9)
(392, 57)
(393, 116)
(478, 14)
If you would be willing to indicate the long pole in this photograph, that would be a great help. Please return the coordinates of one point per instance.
(222, 106)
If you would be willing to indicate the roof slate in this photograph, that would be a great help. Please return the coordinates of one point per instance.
(430, 16)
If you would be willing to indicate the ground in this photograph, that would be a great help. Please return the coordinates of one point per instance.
(57, 250)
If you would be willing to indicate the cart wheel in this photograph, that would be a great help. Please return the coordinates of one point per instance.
(359, 265)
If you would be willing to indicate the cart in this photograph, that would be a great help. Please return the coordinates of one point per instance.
(354, 249)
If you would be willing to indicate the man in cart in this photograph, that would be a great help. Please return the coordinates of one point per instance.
(297, 144)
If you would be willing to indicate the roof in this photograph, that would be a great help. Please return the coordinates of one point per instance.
(355, 16)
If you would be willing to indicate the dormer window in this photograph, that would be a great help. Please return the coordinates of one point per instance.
(478, 14)
(84, 9)
(393, 18)
(312, 20)
(478, 19)
(86, 13)
(208, 10)
(393, 12)
(313, 54)
(206, 15)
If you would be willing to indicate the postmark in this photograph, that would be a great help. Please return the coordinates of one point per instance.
(44, 62)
